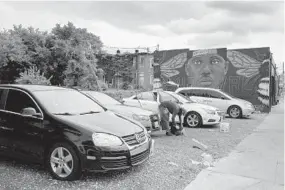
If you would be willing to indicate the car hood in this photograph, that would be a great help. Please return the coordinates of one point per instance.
(128, 110)
(193, 106)
(242, 100)
(106, 122)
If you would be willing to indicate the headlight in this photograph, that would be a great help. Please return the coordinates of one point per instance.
(249, 105)
(140, 117)
(213, 112)
(103, 139)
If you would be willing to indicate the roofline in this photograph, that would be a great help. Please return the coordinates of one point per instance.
(203, 88)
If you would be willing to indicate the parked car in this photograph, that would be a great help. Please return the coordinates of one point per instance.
(234, 107)
(68, 132)
(149, 119)
(197, 114)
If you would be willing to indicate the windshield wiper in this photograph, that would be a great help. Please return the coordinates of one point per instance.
(89, 112)
(65, 113)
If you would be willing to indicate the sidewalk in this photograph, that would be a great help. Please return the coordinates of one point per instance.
(257, 163)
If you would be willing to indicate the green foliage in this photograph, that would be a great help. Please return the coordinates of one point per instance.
(116, 65)
(33, 76)
(65, 50)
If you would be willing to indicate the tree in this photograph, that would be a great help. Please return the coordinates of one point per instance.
(79, 48)
(116, 64)
(13, 57)
(51, 53)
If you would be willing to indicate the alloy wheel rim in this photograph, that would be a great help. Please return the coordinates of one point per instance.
(61, 162)
(235, 112)
(192, 120)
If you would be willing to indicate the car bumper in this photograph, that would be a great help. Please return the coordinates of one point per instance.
(210, 119)
(248, 112)
(123, 158)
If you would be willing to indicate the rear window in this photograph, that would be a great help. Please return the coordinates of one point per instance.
(192, 92)
(213, 94)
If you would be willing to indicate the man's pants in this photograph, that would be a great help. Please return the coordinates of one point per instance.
(164, 115)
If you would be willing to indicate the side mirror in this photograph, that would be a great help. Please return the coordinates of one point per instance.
(30, 112)
(122, 101)
(223, 98)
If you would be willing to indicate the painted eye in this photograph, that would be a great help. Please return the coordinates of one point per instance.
(215, 61)
(197, 62)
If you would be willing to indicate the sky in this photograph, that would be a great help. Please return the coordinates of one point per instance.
(172, 25)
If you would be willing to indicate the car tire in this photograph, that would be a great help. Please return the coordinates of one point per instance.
(235, 111)
(63, 162)
(193, 119)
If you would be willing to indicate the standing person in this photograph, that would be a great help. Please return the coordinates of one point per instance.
(170, 107)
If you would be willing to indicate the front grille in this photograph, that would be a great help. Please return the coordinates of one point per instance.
(114, 163)
(135, 139)
(139, 157)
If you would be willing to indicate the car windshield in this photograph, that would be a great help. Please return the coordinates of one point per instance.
(67, 102)
(103, 98)
(182, 98)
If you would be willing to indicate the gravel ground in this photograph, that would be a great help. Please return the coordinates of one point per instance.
(169, 168)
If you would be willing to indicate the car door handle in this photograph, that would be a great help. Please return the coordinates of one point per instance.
(6, 128)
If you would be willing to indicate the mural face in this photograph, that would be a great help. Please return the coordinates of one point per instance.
(244, 73)
(207, 68)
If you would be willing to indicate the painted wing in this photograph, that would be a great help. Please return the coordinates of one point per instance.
(169, 73)
(169, 67)
(247, 65)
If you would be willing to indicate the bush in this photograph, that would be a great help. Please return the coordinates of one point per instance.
(33, 76)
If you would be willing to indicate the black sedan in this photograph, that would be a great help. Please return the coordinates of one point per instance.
(68, 132)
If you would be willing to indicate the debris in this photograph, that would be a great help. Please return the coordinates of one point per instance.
(173, 164)
(199, 145)
(224, 127)
(207, 159)
(211, 130)
(195, 162)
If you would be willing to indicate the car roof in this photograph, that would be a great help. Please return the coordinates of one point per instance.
(197, 88)
(33, 87)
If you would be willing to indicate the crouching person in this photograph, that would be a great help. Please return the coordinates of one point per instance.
(170, 107)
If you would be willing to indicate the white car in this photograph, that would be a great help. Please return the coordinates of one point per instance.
(234, 107)
(147, 118)
(197, 114)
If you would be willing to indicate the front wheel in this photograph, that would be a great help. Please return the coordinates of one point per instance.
(63, 162)
(193, 120)
(235, 112)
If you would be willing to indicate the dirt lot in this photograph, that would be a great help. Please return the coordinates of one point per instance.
(169, 168)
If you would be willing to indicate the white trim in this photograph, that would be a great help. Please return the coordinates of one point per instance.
(26, 94)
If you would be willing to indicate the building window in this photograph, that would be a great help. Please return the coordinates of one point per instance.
(141, 79)
(151, 62)
(151, 79)
(142, 61)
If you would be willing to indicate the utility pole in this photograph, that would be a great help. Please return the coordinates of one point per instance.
(283, 67)
(283, 77)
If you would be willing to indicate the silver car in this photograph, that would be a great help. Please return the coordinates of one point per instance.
(149, 119)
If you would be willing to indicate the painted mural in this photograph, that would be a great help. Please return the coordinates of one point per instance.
(243, 73)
